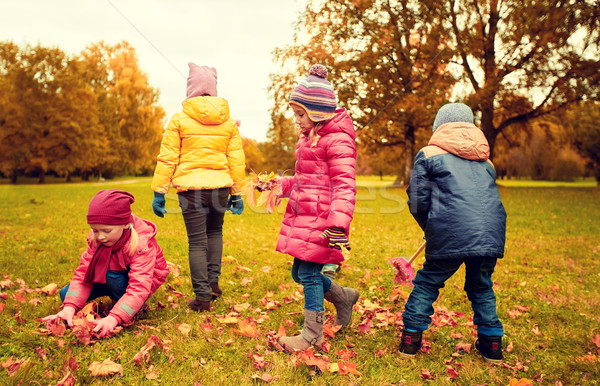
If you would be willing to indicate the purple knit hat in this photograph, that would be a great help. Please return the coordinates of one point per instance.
(315, 94)
(202, 80)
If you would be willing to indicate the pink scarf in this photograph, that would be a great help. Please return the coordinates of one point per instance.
(96, 272)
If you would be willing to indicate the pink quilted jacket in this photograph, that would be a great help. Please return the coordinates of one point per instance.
(321, 193)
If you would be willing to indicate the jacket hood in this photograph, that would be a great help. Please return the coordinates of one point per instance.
(341, 122)
(462, 139)
(207, 110)
(145, 229)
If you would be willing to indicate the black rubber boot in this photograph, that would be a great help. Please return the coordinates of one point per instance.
(490, 347)
(410, 343)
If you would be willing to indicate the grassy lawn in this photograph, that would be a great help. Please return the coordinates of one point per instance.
(548, 290)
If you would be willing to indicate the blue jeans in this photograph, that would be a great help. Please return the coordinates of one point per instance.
(115, 287)
(203, 214)
(478, 285)
(308, 274)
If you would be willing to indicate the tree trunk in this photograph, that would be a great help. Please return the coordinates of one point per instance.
(487, 125)
(409, 154)
(42, 178)
(68, 177)
(13, 177)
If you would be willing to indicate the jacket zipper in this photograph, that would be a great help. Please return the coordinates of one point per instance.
(287, 239)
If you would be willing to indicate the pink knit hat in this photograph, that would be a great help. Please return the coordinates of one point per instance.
(111, 207)
(202, 80)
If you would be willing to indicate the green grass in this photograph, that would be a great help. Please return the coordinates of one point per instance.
(551, 266)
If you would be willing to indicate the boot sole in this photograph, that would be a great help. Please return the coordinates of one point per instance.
(492, 361)
(405, 355)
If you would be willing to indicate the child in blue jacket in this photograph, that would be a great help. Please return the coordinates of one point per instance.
(454, 198)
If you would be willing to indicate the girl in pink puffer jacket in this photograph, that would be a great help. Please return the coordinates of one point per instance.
(321, 204)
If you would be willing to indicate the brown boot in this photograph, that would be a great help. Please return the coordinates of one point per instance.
(343, 298)
(311, 334)
(215, 290)
(199, 305)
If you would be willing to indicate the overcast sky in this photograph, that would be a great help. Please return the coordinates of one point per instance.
(234, 36)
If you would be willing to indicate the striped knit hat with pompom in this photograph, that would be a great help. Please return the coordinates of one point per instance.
(315, 94)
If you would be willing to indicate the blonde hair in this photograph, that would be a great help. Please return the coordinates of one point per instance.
(133, 240)
(313, 134)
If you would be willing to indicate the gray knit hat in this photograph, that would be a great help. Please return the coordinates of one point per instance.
(453, 112)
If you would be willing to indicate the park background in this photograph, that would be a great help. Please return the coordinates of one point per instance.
(529, 70)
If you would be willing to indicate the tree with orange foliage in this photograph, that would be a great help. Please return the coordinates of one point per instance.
(389, 63)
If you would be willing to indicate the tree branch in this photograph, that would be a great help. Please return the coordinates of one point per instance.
(463, 54)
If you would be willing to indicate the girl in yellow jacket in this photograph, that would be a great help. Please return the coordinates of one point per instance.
(201, 155)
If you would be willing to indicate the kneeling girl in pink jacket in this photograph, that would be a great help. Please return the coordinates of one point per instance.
(122, 261)
(321, 204)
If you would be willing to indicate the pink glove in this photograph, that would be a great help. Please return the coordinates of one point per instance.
(66, 314)
(105, 325)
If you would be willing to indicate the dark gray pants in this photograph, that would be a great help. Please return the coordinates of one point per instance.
(203, 214)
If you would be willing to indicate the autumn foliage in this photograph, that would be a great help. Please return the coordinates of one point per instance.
(88, 114)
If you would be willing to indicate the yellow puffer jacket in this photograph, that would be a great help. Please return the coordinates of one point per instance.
(201, 149)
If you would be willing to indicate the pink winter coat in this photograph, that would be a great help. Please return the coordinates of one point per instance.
(321, 193)
(147, 271)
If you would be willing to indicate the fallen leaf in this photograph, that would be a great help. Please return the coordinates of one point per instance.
(228, 320)
(12, 366)
(365, 327)
(144, 354)
(1, 307)
(425, 374)
(509, 348)
(348, 368)
(265, 377)
(520, 382)
(596, 339)
(19, 298)
(82, 329)
(308, 356)
(206, 327)
(330, 330)
(17, 318)
(184, 328)
(50, 289)
(452, 373)
(259, 362)
(463, 346)
(42, 353)
(240, 307)
(281, 331)
(246, 329)
(586, 358)
(345, 354)
(67, 380)
(105, 368)
(6, 283)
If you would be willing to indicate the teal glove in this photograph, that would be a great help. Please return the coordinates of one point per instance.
(235, 204)
(158, 204)
(337, 238)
